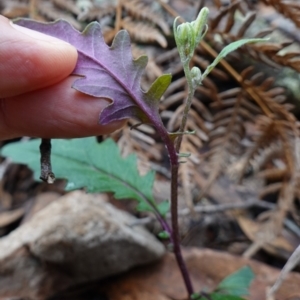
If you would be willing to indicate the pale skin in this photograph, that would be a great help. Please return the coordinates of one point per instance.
(36, 98)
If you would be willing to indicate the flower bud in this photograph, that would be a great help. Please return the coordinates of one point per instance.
(199, 25)
(185, 41)
(196, 76)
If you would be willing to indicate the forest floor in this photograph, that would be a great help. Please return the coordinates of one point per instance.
(243, 154)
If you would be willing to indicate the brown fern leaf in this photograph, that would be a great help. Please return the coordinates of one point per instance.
(140, 10)
(48, 10)
(225, 137)
(143, 32)
(170, 62)
(68, 5)
(172, 109)
(187, 172)
(273, 54)
(15, 9)
(97, 12)
(138, 140)
(153, 70)
(270, 189)
(195, 121)
(226, 22)
(202, 63)
(290, 9)
(265, 156)
(272, 175)
(175, 96)
(278, 124)
(284, 204)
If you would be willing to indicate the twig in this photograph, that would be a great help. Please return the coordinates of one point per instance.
(291, 263)
(46, 170)
(229, 206)
(253, 249)
(213, 209)
(292, 227)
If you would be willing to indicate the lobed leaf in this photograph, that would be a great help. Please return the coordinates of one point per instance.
(163, 207)
(108, 72)
(88, 164)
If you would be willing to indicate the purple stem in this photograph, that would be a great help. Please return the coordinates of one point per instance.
(173, 157)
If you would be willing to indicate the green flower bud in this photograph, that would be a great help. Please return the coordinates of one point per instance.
(185, 40)
(196, 76)
(199, 25)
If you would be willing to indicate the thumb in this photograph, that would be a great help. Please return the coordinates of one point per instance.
(31, 60)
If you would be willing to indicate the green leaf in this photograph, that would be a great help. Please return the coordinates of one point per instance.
(226, 50)
(164, 235)
(88, 164)
(238, 283)
(217, 296)
(157, 89)
(196, 296)
(163, 207)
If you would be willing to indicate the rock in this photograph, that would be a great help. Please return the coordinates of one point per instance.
(76, 239)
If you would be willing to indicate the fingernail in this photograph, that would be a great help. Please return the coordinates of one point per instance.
(37, 35)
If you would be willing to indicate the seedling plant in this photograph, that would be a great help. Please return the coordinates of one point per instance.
(112, 73)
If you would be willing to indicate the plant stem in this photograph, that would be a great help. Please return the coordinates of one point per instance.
(188, 103)
(173, 151)
(176, 239)
(173, 157)
(174, 180)
(164, 224)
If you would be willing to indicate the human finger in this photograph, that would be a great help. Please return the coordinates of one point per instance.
(31, 60)
(54, 112)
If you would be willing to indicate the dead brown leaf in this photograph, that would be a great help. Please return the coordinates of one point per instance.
(162, 281)
(258, 231)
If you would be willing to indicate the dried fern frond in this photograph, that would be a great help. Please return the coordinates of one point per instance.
(153, 70)
(138, 140)
(278, 124)
(15, 9)
(273, 54)
(68, 5)
(202, 63)
(187, 172)
(264, 157)
(176, 95)
(232, 21)
(224, 20)
(290, 9)
(230, 30)
(140, 10)
(143, 32)
(224, 139)
(48, 10)
(97, 12)
(170, 62)
(273, 174)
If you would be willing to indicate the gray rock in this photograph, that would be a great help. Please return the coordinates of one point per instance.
(76, 239)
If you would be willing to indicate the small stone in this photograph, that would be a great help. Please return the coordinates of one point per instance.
(76, 239)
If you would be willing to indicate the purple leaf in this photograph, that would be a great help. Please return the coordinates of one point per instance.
(109, 72)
